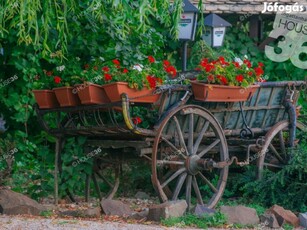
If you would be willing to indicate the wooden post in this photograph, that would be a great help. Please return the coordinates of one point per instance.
(58, 147)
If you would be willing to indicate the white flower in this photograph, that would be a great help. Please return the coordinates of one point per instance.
(60, 68)
(239, 60)
(78, 59)
(138, 67)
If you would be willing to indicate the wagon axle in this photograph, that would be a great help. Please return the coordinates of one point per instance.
(194, 164)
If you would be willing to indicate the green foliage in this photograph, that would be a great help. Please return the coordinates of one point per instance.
(136, 176)
(286, 187)
(54, 25)
(190, 220)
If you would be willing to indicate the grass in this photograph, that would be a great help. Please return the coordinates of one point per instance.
(190, 220)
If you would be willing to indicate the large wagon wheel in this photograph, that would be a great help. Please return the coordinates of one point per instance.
(275, 152)
(105, 176)
(188, 142)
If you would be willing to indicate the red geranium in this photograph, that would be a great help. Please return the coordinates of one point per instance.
(171, 70)
(234, 73)
(105, 69)
(125, 70)
(258, 71)
(166, 63)
(239, 78)
(57, 79)
(107, 77)
(152, 81)
(116, 62)
(49, 73)
(151, 59)
(136, 120)
(248, 63)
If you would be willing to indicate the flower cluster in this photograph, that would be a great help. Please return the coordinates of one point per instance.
(235, 73)
(59, 74)
(150, 74)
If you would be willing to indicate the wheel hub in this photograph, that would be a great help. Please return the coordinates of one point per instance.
(192, 164)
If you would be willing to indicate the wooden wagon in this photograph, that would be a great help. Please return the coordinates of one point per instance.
(192, 143)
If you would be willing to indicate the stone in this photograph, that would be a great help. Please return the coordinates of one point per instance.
(201, 210)
(240, 215)
(142, 196)
(13, 203)
(90, 213)
(303, 219)
(115, 207)
(284, 216)
(269, 220)
(167, 210)
(140, 215)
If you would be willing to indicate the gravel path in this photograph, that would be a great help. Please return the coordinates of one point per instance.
(27, 223)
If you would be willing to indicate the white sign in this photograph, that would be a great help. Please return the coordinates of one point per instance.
(292, 28)
(186, 29)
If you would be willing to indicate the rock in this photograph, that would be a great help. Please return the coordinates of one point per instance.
(140, 215)
(201, 210)
(240, 215)
(269, 220)
(142, 196)
(13, 203)
(303, 219)
(167, 210)
(284, 216)
(90, 213)
(115, 207)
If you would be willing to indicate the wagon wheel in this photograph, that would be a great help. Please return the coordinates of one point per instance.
(275, 153)
(186, 144)
(106, 176)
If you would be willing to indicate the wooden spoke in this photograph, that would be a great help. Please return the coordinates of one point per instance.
(191, 134)
(188, 191)
(179, 186)
(200, 137)
(170, 144)
(272, 148)
(208, 148)
(273, 165)
(104, 179)
(213, 188)
(172, 177)
(181, 138)
(197, 191)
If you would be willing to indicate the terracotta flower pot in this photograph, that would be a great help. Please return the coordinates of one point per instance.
(45, 99)
(66, 97)
(91, 94)
(116, 89)
(221, 93)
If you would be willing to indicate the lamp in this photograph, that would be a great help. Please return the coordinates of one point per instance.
(214, 36)
(187, 27)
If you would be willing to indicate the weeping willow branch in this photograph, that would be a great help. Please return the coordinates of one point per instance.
(46, 24)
